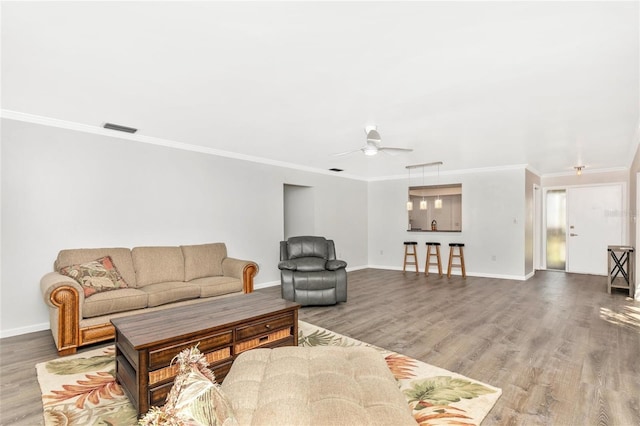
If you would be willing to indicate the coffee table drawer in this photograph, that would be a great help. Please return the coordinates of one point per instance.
(162, 357)
(268, 325)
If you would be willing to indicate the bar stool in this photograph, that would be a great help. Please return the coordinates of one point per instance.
(410, 256)
(436, 254)
(460, 255)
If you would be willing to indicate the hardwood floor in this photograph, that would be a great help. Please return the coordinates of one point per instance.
(563, 351)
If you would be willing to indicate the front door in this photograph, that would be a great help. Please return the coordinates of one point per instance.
(594, 221)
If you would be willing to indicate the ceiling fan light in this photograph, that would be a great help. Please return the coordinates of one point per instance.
(373, 136)
(370, 150)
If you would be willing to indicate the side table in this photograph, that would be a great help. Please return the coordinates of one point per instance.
(620, 260)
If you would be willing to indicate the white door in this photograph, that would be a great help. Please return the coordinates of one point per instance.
(594, 219)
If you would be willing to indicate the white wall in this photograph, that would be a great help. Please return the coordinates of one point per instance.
(66, 189)
(493, 223)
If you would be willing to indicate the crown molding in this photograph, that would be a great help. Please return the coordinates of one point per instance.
(456, 172)
(587, 171)
(96, 130)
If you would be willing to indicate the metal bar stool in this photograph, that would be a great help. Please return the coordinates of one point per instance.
(460, 256)
(436, 254)
(410, 256)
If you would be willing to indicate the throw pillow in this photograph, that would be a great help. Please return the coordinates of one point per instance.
(195, 398)
(96, 276)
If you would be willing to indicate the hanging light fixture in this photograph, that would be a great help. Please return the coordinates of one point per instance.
(409, 203)
(423, 203)
(438, 202)
(578, 170)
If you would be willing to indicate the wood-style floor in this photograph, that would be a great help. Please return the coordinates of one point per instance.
(563, 351)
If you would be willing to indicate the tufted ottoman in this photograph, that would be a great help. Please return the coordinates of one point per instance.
(322, 385)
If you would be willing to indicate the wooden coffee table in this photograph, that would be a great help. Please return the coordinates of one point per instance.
(222, 328)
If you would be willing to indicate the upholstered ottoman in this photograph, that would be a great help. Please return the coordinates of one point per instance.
(323, 385)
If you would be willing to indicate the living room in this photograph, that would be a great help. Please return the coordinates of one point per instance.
(69, 183)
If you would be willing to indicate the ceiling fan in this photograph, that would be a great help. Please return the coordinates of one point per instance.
(373, 144)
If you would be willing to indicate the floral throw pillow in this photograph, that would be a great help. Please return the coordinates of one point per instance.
(96, 276)
(195, 398)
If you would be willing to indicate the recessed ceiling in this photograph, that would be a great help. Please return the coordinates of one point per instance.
(550, 85)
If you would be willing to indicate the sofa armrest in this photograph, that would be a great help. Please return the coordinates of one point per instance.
(334, 265)
(242, 269)
(64, 297)
(52, 282)
(288, 265)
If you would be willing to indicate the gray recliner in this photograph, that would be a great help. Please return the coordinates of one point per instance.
(310, 273)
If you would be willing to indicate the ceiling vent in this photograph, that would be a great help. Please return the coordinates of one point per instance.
(119, 128)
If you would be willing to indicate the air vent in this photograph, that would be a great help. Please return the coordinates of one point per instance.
(119, 128)
(336, 170)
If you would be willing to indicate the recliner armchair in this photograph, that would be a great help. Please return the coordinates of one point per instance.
(310, 273)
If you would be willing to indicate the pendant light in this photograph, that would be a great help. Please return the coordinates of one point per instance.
(438, 202)
(409, 203)
(423, 203)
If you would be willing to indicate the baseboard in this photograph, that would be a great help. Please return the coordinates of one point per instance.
(24, 330)
(357, 268)
(266, 285)
(500, 276)
(458, 273)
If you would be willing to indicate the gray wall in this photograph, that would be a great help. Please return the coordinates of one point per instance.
(493, 223)
(67, 189)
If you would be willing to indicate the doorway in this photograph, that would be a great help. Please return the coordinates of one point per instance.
(581, 222)
(556, 230)
(594, 218)
(299, 210)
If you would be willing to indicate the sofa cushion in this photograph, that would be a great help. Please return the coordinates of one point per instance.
(158, 264)
(315, 385)
(310, 264)
(96, 276)
(307, 247)
(121, 257)
(203, 260)
(110, 302)
(171, 291)
(217, 286)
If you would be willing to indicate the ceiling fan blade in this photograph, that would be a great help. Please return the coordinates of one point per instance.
(339, 154)
(388, 148)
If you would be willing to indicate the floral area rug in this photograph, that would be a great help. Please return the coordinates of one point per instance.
(81, 389)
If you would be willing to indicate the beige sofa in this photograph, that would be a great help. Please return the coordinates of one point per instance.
(156, 278)
(311, 386)
(321, 385)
